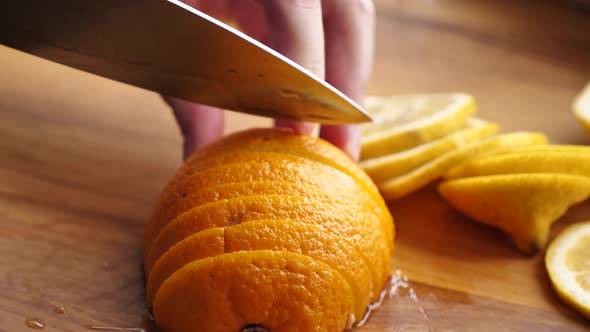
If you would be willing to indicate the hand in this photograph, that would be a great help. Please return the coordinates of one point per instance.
(332, 38)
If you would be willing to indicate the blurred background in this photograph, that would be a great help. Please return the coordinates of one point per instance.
(82, 159)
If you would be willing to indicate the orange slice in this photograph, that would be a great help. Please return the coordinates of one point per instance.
(363, 233)
(278, 235)
(287, 142)
(287, 169)
(275, 290)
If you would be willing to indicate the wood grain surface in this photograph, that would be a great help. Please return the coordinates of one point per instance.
(83, 158)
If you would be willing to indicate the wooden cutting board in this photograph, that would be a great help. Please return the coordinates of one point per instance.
(82, 160)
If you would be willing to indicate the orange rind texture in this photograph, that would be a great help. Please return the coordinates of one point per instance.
(278, 235)
(278, 290)
(267, 228)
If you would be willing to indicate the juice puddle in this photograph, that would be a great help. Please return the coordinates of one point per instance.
(414, 298)
(393, 288)
(34, 323)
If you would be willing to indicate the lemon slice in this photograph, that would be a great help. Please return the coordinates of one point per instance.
(568, 264)
(405, 184)
(403, 122)
(549, 161)
(522, 205)
(385, 167)
(553, 148)
(581, 108)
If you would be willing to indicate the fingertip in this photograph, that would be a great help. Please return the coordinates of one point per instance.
(199, 124)
(346, 137)
(303, 128)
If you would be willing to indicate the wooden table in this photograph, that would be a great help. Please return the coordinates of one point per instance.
(82, 160)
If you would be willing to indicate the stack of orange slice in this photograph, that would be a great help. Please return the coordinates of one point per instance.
(267, 230)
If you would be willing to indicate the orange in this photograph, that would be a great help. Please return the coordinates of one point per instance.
(276, 290)
(281, 235)
(271, 167)
(269, 229)
(285, 141)
(349, 199)
(361, 232)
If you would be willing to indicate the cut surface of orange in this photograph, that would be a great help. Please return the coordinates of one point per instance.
(276, 290)
(278, 235)
(365, 234)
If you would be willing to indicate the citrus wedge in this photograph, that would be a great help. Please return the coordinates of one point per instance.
(553, 148)
(279, 235)
(274, 290)
(581, 108)
(395, 164)
(522, 205)
(568, 264)
(525, 162)
(363, 231)
(403, 122)
(405, 184)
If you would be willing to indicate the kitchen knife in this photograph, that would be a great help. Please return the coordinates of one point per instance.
(171, 48)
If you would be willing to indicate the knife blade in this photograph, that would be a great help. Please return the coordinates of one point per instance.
(171, 48)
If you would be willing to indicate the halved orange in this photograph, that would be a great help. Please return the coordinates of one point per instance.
(267, 230)
(278, 235)
(276, 290)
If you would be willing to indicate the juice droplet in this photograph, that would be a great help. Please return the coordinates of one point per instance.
(34, 323)
(60, 310)
(396, 283)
